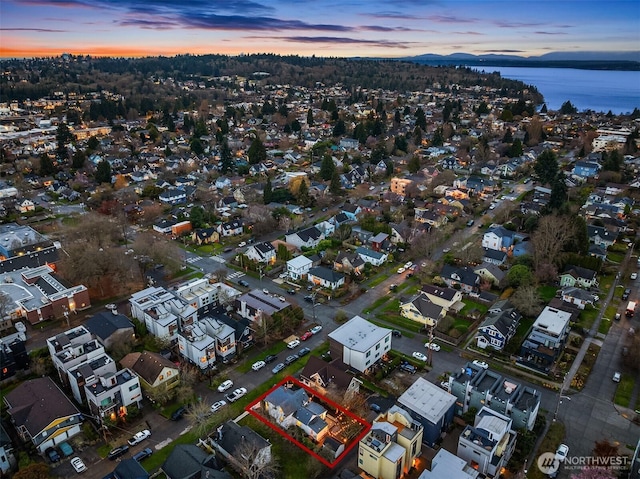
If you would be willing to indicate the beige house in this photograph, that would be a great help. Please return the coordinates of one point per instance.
(448, 298)
(392, 444)
(422, 310)
(152, 369)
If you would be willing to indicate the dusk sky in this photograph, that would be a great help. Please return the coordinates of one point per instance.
(31, 28)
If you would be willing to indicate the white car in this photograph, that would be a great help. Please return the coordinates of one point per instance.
(78, 465)
(432, 346)
(216, 406)
(401, 270)
(616, 377)
(480, 364)
(561, 453)
(265, 291)
(408, 265)
(138, 437)
(293, 344)
(444, 385)
(634, 275)
(258, 365)
(236, 394)
(242, 245)
(316, 329)
(419, 356)
(225, 385)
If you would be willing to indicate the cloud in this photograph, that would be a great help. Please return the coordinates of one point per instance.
(469, 33)
(42, 30)
(449, 19)
(238, 22)
(379, 28)
(504, 51)
(342, 41)
(551, 33)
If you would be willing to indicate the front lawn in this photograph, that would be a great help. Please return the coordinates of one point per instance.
(547, 293)
(624, 391)
(587, 317)
(471, 306)
(552, 439)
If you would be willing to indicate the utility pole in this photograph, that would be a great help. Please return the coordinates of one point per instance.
(560, 398)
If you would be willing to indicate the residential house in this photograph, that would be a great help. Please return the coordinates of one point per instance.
(585, 169)
(197, 346)
(42, 414)
(173, 196)
(601, 236)
(255, 303)
(110, 328)
(231, 228)
(379, 242)
(293, 407)
(494, 256)
(351, 211)
(431, 406)
(488, 445)
(546, 339)
(359, 343)
(578, 276)
(298, 267)
(445, 464)
(430, 216)
(164, 226)
(375, 258)
(241, 446)
(421, 310)
(348, 262)
(319, 375)
(128, 469)
(13, 358)
(25, 206)
(578, 296)
(220, 327)
(112, 393)
(325, 277)
(389, 449)
(448, 298)
(498, 327)
(263, 252)
(188, 461)
(306, 238)
(161, 311)
(399, 186)
(464, 277)
(490, 272)
(498, 238)
(153, 370)
(202, 236)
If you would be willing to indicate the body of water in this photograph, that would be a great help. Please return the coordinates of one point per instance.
(597, 90)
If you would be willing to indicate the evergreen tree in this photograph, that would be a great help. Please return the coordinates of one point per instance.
(515, 149)
(360, 133)
(93, 143)
(544, 108)
(196, 146)
(327, 168)
(397, 118)
(103, 172)
(226, 159)
(568, 108)
(546, 167)
(63, 138)
(339, 129)
(437, 140)
(257, 152)
(46, 165)
(303, 197)
(268, 192)
(508, 136)
(335, 187)
(310, 117)
(421, 119)
(558, 192)
(414, 164)
(77, 162)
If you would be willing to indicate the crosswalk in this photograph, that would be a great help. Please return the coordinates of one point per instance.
(236, 274)
(193, 259)
(219, 259)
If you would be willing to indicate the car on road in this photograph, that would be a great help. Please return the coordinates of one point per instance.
(492, 206)
(308, 298)
(303, 352)
(306, 336)
(617, 316)
(178, 413)
(375, 408)
(480, 364)
(242, 282)
(401, 270)
(265, 291)
(444, 385)
(393, 287)
(293, 344)
(270, 358)
(138, 437)
(225, 385)
(316, 329)
(561, 452)
(216, 406)
(242, 244)
(291, 291)
(419, 356)
(227, 250)
(616, 377)
(291, 359)
(634, 275)
(446, 250)
(116, 452)
(432, 346)
(139, 456)
(236, 394)
(258, 365)
(52, 454)
(282, 298)
(277, 368)
(396, 333)
(78, 465)
(626, 294)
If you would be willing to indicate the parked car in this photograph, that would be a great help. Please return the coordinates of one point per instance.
(303, 352)
(258, 365)
(316, 329)
(480, 364)
(306, 336)
(225, 385)
(561, 452)
(308, 299)
(116, 452)
(432, 346)
(277, 368)
(52, 454)
(242, 282)
(138, 437)
(293, 344)
(216, 406)
(242, 244)
(375, 408)
(178, 413)
(236, 394)
(227, 250)
(626, 294)
(270, 358)
(65, 449)
(616, 377)
(634, 275)
(410, 368)
(444, 385)
(393, 287)
(470, 223)
(401, 270)
(291, 291)
(142, 454)
(78, 465)
(396, 333)
(419, 356)
(291, 359)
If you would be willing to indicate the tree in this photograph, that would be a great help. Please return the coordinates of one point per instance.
(310, 117)
(546, 167)
(93, 143)
(527, 300)
(267, 194)
(558, 193)
(63, 138)
(335, 187)
(508, 136)
(36, 470)
(103, 172)
(421, 119)
(303, 197)
(414, 164)
(197, 217)
(78, 160)
(515, 149)
(549, 239)
(343, 232)
(339, 129)
(226, 159)
(519, 275)
(196, 146)
(283, 253)
(247, 460)
(160, 394)
(257, 152)
(7, 306)
(46, 165)
(568, 108)
(327, 167)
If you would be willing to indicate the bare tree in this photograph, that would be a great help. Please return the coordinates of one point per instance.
(7, 306)
(549, 239)
(199, 417)
(470, 253)
(425, 243)
(220, 274)
(160, 394)
(248, 461)
(527, 300)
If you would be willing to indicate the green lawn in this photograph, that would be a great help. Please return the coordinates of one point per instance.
(552, 439)
(376, 280)
(587, 316)
(624, 391)
(376, 304)
(547, 293)
(605, 324)
(615, 257)
(469, 306)
(394, 319)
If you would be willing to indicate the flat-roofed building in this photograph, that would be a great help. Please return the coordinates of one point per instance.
(359, 343)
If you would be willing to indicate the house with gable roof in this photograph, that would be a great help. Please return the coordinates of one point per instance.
(231, 228)
(153, 370)
(578, 276)
(498, 238)
(348, 262)
(375, 258)
(299, 267)
(448, 298)
(578, 296)
(293, 407)
(325, 277)
(307, 238)
(233, 441)
(320, 375)
(421, 310)
(499, 326)
(464, 277)
(202, 236)
(601, 236)
(263, 252)
(110, 327)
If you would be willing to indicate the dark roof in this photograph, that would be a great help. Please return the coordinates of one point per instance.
(205, 233)
(444, 293)
(36, 403)
(504, 321)
(426, 308)
(188, 461)
(462, 275)
(264, 247)
(104, 324)
(349, 208)
(130, 469)
(147, 365)
(233, 436)
(579, 272)
(309, 233)
(330, 373)
(326, 274)
(494, 254)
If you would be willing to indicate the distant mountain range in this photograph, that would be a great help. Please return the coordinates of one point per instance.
(581, 60)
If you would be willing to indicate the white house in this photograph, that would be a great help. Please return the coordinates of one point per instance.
(375, 258)
(263, 252)
(307, 238)
(359, 343)
(298, 267)
(197, 346)
(325, 277)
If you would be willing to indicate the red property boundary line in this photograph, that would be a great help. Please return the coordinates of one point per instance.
(311, 392)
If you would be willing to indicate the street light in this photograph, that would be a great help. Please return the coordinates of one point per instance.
(560, 398)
